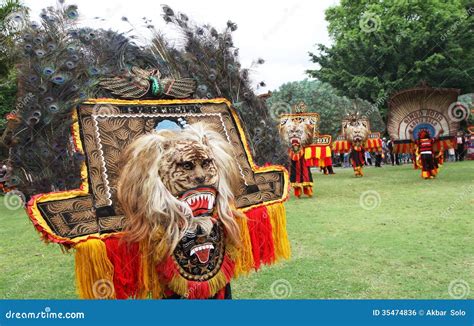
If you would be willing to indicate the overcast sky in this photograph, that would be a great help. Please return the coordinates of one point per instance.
(281, 32)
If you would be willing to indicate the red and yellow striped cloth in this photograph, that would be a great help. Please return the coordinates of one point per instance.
(318, 155)
(439, 146)
(444, 144)
(373, 145)
(407, 148)
(341, 146)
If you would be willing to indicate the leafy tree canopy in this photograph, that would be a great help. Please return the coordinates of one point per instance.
(8, 87)
(382, 46)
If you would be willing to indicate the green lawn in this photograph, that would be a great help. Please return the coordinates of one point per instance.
(416, 242)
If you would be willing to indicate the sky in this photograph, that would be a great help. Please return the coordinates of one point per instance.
(280, 32)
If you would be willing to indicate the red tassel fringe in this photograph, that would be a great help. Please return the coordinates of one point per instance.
(167, 269)
(198, 290)
(126, 260)
(260, 230)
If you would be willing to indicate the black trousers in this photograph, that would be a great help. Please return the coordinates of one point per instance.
(460, 152)
(428, 162)
(378, 160)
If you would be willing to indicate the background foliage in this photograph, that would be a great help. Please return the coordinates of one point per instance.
(324, 99)
(383, 46)
(8, 82)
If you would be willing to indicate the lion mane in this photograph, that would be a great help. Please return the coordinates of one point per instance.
(153, 213)
(297, 128)
(355, 127)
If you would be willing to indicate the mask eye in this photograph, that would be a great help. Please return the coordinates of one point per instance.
(187, 165)
(206, 163)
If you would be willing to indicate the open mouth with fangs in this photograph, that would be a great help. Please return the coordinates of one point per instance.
(295, 141)
(202, 251)
(201, 200)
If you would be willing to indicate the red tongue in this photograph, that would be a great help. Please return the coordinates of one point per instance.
(295, 142)
(203, 255)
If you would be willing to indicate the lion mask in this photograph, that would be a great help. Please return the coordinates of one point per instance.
(356, 128)
(297, 131)
(175, 185)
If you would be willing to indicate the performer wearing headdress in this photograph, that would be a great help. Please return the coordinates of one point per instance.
(320, 153)
(300, 174)
(355, 139)
(155, 189)
(425, 154)
(297, 130)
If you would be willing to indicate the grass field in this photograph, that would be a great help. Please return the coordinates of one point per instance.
(409, 238)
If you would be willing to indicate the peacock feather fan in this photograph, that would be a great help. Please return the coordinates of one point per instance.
(52, 79)
(212, 59)
(61, 63)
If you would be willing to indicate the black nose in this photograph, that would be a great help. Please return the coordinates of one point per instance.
(200, 179)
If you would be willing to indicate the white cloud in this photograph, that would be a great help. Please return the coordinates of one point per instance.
(281, 32)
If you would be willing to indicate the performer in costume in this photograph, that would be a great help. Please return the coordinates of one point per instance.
(156, 188)
(319, 153)
(425, 153)
(297, 130)
(355, 139)
(411, 125)
(328, 169)
(300, 174)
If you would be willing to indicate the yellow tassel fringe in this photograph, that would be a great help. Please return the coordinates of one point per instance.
(277, 215)
(149, 282)
(244, 259)
(94, 271)
(217, 282)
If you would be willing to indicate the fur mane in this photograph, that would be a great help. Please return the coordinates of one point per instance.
(289, 126)
(153, 214)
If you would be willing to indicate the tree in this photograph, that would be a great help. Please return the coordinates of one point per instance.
(323, 99)
(383, 46)
(12, 15)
